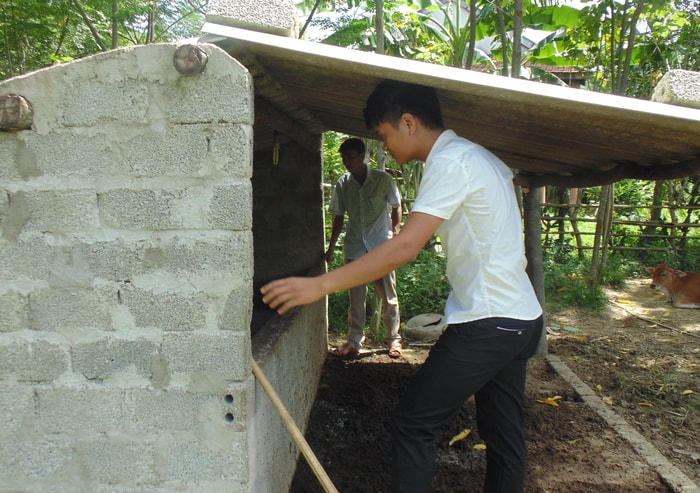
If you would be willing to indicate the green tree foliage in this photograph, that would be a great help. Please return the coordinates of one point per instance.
(37, 34)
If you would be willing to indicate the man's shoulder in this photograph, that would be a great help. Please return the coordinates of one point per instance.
(344, 179)
(379, 174)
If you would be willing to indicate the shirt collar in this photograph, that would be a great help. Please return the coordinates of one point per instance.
(439, 143)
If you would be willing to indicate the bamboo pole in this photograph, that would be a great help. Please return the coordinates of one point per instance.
(297, 435)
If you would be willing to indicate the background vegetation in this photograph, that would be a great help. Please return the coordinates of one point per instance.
(615, 46)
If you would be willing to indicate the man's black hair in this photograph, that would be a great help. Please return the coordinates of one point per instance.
(391, 99)
(352, 144)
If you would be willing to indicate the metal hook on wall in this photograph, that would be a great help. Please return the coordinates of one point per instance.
(275, 148)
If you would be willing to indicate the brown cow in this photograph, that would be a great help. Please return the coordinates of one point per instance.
(682, 288)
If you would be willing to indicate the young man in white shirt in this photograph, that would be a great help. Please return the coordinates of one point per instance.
(494, 319)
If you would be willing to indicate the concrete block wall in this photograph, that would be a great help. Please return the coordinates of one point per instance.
(126, 266)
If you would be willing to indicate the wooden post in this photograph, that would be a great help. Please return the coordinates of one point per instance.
(533, 250)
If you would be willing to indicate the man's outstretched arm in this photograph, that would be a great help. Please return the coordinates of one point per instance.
(285, 294)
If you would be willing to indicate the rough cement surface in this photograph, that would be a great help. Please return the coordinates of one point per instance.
(271, 16)
(679, 87)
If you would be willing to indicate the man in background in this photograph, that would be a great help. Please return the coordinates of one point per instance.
(372, 203)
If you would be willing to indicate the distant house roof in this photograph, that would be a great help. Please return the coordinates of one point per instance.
(549, 134)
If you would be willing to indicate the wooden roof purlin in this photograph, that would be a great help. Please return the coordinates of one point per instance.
(551, 135)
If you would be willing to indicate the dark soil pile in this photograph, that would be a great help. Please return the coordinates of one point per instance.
(640, 368)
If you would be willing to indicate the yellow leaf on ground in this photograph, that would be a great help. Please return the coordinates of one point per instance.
(625, 302)
(480, 446)
(551, 401)
(646, 404)
(460, 436)
(687, 392)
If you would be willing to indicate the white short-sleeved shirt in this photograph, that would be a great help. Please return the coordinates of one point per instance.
(472, 190)
(368, 208)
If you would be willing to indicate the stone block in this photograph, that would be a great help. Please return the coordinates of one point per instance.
(125, 460)
(223, 95)
(27, 460)
(28, 257)
(67, 410)
(100, 360)
(225, 254)
(238, 309)
(57, 211)
(17, 407)
(9, 167)
(176, 410)
(67, 153)
(148, 209)
(69, 308)
(220, 457)
(167, 311)
(32, 360)
(231, 207)
(272, 16)
(216, 356)
(679, 87)
(91, 101)
(189, 150)
(14, 308)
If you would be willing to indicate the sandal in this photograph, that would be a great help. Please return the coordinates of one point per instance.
(346, 351)
(395, 350)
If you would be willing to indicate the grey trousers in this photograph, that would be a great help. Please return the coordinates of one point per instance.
(357, 314)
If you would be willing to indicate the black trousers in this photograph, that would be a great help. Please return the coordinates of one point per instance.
(488, 359)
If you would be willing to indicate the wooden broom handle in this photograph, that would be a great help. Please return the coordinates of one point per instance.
(297, 435)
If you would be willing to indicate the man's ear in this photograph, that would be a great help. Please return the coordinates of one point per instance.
(409, 121)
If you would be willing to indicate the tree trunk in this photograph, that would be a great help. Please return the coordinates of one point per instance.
(533, 250)
(602, 234)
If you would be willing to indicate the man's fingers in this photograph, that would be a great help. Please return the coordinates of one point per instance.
(276, 297)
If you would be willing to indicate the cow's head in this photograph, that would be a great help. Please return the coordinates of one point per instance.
(662, 277)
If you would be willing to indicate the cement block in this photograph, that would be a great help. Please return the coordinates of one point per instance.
(679, 87)
(57, 211)
(9, 169)
(14, 307)
(219, 254)
(91, 101)
(200, 149)
(273, 16)
(238, 309)
(153, 411)
(223, 355)
(25, 257)
(225, 254)
(58, 308)
(124, 460)
(167, 311)
(231, 150)
(221, 96)
(118, 260)
(101, 359)
(67, 153)
(177, 150)
(222, 457)
(17, 408)
(138, 209)
(99, 409)
(32, 361)
(25, 459)
(231, 207)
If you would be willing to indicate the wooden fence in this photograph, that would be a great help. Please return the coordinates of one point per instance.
(630, 232)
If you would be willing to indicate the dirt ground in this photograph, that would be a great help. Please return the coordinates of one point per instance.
(641, 357)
